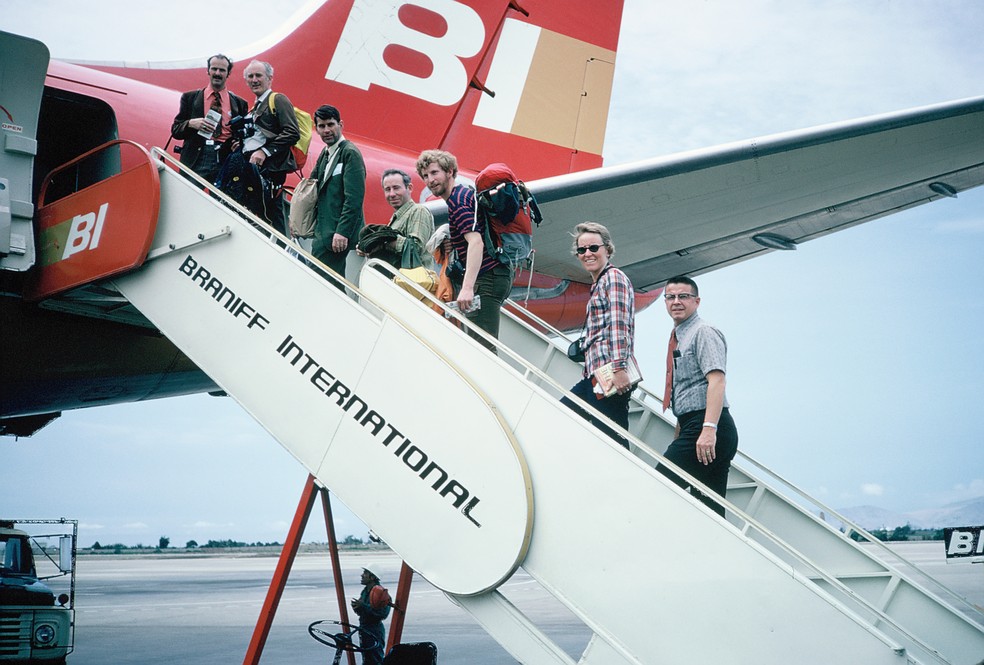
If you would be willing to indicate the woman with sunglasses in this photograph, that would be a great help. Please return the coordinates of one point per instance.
(609, 329)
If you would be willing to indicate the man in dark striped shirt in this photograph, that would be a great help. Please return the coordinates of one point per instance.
(484, 275)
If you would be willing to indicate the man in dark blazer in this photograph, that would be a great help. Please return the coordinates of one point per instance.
(205, 154)
(341, 175)
(275, 132)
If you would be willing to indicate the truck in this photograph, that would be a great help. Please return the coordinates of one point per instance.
(35, 557)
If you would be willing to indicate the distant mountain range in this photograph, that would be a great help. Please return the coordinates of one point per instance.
(963, 513)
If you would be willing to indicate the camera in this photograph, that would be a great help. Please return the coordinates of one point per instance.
(576, 350)
(241, 127)
(456, 271)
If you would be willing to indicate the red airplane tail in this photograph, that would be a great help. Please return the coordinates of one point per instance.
(415, 77)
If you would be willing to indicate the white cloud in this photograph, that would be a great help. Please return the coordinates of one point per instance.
(203, 524)
(136, 526)
(963, 492)
(872, 489)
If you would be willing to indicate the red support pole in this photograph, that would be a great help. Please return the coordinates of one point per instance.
(400, 606)
(286, 561)
(279, 581)
(336, 565)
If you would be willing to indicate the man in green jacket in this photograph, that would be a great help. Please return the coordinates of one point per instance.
(341, 175)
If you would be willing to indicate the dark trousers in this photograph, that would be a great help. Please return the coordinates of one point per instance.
(615, 407)
(683, 452)
(274, 210)
(335, 261)
(208, 163)
(494, 286)
(373, 656)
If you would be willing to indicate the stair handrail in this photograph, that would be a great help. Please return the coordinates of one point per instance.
(85, 155)
(854, 527)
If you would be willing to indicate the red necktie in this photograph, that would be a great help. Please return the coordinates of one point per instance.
(668, 389)
(217, 106)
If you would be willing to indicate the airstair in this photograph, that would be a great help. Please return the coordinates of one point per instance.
(889, 591)
(468, 466)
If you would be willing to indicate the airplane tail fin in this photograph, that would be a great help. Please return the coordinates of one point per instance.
(415, 77)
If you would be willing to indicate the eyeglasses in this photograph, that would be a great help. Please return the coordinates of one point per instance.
(592, 248)
(682, 297)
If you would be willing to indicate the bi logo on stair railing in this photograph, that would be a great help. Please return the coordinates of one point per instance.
(79, 233)
(101, 229)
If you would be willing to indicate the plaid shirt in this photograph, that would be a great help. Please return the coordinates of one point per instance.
(415, 224)
(610, 325)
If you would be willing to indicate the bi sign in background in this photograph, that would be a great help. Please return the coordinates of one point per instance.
(964, 543)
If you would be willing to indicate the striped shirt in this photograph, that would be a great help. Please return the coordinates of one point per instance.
(610, 326)
(462, 220)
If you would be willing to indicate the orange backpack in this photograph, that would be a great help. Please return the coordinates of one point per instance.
(379, 597)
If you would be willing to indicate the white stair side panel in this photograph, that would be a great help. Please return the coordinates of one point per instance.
(353, 382)
(503, 621)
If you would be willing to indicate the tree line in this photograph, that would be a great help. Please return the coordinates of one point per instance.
(164, 543)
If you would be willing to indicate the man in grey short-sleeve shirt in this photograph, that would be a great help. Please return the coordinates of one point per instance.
(706, 439)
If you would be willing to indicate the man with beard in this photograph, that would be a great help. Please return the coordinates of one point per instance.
(484, 275)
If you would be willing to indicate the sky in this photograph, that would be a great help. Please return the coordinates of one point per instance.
(854, 362)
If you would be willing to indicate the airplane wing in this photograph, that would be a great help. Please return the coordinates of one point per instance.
(698, 211)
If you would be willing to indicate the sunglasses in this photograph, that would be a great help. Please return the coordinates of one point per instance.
(592, 248)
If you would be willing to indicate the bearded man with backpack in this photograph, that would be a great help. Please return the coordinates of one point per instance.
(484, 275)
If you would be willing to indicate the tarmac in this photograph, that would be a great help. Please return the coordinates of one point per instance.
(150, 610)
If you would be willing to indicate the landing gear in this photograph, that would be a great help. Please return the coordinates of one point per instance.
(323, 632)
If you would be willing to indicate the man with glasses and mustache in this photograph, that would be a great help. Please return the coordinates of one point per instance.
(706, 439)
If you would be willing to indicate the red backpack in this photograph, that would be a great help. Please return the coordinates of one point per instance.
(510, 211)
(379, 597)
